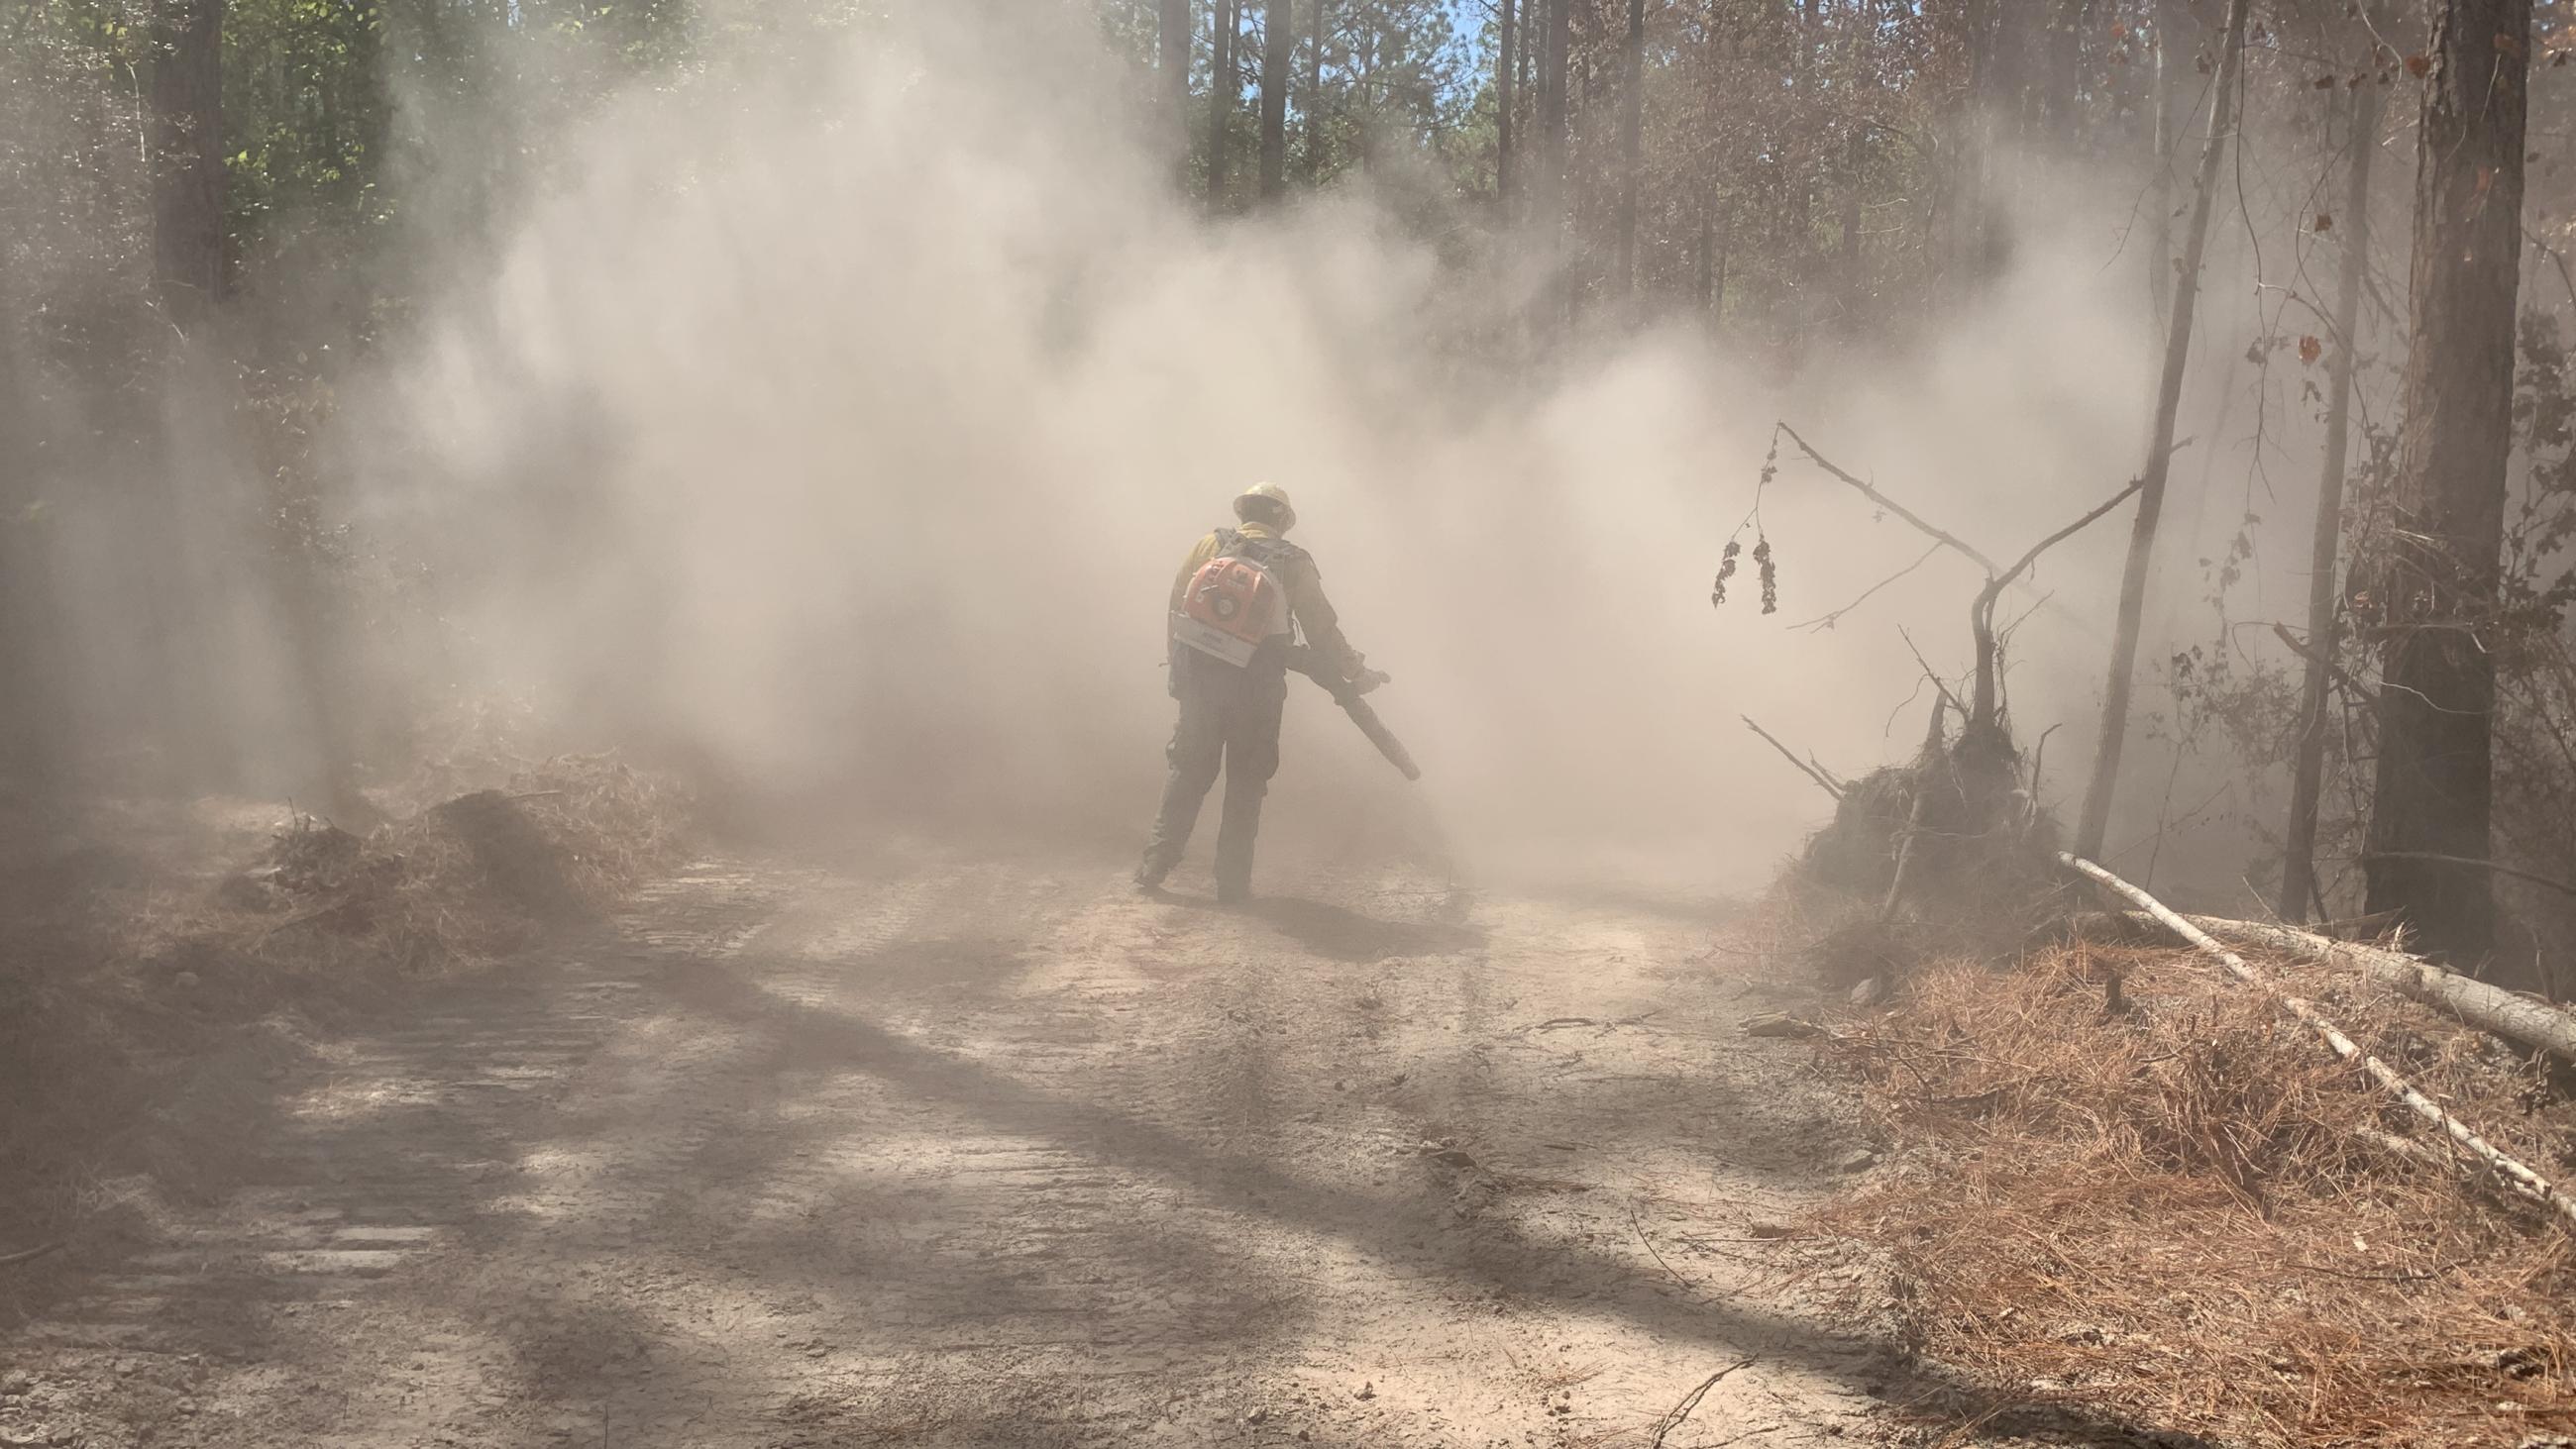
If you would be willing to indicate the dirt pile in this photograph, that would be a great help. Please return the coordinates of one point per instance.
(2190, 1215)
(136, 953)
(459, 883)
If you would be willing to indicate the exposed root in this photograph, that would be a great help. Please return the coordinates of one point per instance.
(1942, 857)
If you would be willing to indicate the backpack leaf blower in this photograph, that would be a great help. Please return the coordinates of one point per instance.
(1346, 693)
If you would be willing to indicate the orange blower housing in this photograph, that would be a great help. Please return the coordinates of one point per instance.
(1230, 609)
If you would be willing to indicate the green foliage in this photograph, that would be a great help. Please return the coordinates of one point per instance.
(306, 117)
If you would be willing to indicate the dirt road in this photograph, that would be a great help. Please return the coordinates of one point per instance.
(928, 1146)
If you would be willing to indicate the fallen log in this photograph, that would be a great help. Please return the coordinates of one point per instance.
(2405, 1147)
(2509, 1015)
(2513, 1172)
(1782, 1024)
(2504, 1015)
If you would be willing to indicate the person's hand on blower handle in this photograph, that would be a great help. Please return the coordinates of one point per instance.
(1306, 660)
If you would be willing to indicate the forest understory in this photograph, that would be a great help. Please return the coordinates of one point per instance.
(796, 411)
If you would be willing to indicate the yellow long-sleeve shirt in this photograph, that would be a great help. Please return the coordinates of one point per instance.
(1314, 614)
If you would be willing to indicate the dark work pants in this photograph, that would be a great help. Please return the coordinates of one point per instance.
(1229, 722)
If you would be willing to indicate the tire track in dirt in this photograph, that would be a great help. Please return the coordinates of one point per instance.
(371, 1153)
(983, 1150)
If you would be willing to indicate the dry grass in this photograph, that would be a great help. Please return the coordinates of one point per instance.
(2190, 1215)
(1835, 938)
(616, 825)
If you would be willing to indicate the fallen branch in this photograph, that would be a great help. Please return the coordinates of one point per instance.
(2396, 1146)
(2368, 927)
(2513, 1172)
(306, 918)
(1639, 1226)
(1813, 772)
(1674, 1416)
(29, 1255)
(1781, 1024)
(2508, 1016)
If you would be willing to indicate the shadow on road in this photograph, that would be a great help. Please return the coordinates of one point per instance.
(1338, 934)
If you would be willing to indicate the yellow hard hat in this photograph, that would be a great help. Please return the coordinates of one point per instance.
(1272, 493)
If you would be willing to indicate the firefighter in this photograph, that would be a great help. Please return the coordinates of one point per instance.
(1241, 598)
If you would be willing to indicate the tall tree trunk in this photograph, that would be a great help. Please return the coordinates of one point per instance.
(1278, 54)
(187, 89)
(1959, 172)
(2054, 108)
(1533, 40)
(1855, 165)
(1555, 35)
(2307, 774)
(1864, 14)
(2437, 702)
(2171, 22)
(1506, 62)
(1700, 259)
(2151, 495)
(1173, 60)
(1632, 119)
(1802, 148)
(1548, 183)
(1225, 91)
(1315, 91)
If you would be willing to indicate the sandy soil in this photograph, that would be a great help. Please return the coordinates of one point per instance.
(929, 1146)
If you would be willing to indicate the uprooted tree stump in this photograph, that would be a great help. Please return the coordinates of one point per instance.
(1954, 844)
(1948, 852)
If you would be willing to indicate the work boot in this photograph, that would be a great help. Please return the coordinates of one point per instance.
(1149, 878)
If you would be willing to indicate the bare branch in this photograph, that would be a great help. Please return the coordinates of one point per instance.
(1674, 1416)
(1891, 505)
(2005, 579)
(1946, 696)
(2310, 653)
(1981, 614)
(2556, 256)
(29, 1255)
(2560, 886)
(1813, 772)
(2039, 763)
(1827, 621)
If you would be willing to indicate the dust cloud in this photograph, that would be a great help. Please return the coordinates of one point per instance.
(837, 428)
